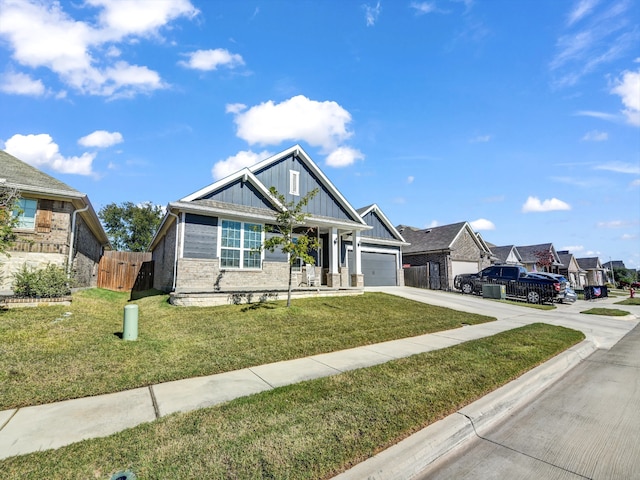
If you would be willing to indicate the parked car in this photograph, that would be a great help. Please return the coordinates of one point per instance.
(558, 278)
(570, 296)
(518, 283)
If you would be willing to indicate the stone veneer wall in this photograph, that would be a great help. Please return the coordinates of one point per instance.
(203, 275)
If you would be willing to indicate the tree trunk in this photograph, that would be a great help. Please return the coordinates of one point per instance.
(289, 292)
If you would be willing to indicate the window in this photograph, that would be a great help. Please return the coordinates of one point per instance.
(294, 182)
(239, 243)
(26, 213)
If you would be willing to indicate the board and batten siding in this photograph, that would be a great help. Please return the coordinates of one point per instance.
(379, 229)
(200, 236)
(240, 193)
(323, 204)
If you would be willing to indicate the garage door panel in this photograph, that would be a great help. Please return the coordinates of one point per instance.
(378, 269)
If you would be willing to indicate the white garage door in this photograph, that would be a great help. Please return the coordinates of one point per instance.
(379, 269)
(459, 267)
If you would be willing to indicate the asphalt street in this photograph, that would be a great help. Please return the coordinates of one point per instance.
(585, 426)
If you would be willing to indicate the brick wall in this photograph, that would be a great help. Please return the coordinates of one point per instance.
(86, 257)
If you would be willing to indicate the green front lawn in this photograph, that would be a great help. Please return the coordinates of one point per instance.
(612, 312)
(311, 430)
(49, 354)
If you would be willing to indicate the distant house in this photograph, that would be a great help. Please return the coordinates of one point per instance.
(594, 270)
(609, 266)
(506, 255)
(447, 251)
(571, 270)
(532, 255)
(210, 240)
(57, 225)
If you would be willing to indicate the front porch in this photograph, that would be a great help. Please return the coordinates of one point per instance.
(256, 295)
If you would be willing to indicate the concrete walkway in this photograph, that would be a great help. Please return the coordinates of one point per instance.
(54, 425)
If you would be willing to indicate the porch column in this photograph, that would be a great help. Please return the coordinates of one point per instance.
(333, 277)
(357, 279)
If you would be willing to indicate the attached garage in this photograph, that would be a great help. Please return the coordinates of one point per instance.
(459, 267)
(379, 269)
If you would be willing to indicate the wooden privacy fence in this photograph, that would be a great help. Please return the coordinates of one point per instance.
(125, 271)
(416, 277)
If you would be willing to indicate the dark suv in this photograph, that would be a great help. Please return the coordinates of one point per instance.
(518, 283)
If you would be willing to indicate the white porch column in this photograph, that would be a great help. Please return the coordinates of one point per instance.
(357, 279)
(357, 255)
(333, 277)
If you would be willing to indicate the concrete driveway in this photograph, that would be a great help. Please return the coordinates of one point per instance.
(586, 425)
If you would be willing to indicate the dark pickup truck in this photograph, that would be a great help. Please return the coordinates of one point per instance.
(517, 281)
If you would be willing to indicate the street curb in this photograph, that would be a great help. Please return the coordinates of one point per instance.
(413, 454)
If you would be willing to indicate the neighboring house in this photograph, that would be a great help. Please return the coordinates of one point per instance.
(609, 266)
(531, 256)
(447, 251)
(595, 271)
(571, 270)
(506, 255)
(57, 225)
(208, 242)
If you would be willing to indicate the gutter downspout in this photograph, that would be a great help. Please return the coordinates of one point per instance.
(73, 236)
(175, 254)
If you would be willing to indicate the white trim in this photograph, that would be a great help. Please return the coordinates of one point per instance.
(294, 183)
(363, 249)
(385, 220)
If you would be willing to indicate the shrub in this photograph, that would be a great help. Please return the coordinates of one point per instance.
(50, 281)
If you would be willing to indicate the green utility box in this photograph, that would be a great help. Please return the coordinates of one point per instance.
(491, 290)
(130, 323)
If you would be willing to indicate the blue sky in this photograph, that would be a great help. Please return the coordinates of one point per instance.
(520, 117)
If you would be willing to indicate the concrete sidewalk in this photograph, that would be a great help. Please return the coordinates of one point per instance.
(54, 425)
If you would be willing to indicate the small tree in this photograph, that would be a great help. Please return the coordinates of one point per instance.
(544, 259)
(286, 223)
(131, 227)
(8, 200)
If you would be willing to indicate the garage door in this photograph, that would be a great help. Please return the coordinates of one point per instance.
(459, 267)
(379, 269)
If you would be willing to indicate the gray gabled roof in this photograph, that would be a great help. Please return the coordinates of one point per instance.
(589, 263)
(28, 179)
(502, 253)
(528, 252)
(430, 239)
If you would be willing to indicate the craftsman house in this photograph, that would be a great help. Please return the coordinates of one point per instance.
(446, 251)
(57, 225)
(209, 241)
(534, 258)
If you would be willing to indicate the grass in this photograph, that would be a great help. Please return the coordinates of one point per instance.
(612, 312)
(49, 354)
(630, 301)
(311, 430)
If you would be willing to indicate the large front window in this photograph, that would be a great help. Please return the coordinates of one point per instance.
(26, 213)
(240, 245)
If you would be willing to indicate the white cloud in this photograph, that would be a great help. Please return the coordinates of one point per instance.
(601, 115)
(481, 139)
(615, 224)
(595, 136)
(581, 10)
(322, 124)
(629, 236)
(343, 157)
(619, 167)
(635, 183)
(240, 160)
(423, 8)
(41, 151)
(533, 204)
(482, 224)
(101, 139)
(21, 84)
(43, 35)
(212, 59)
(371, 14)
(410, 179)
(628, 88)
(433, 224)
(573, 248)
